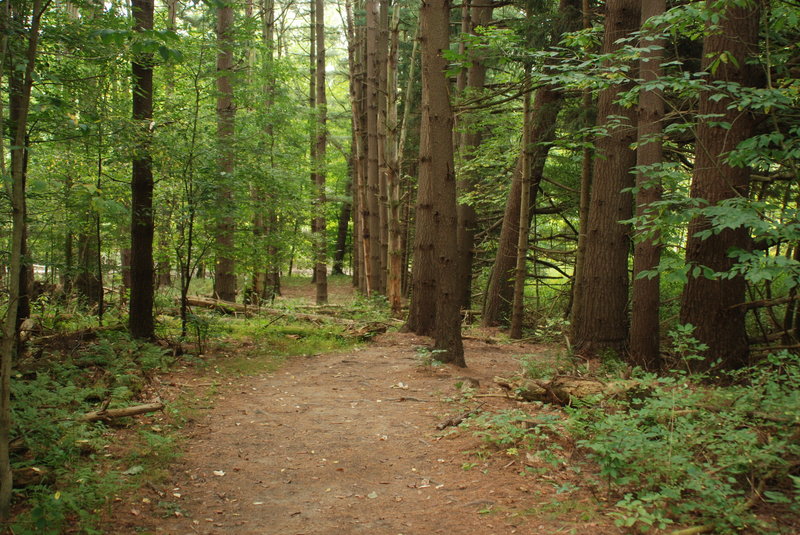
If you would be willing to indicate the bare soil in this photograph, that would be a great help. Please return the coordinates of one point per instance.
(347, 443)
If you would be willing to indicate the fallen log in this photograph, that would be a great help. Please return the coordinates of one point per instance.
(107, 415)
(225, 307)
(68, 340)
(564, 390)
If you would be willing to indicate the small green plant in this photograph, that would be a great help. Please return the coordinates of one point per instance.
(426, 357)
(686, 349)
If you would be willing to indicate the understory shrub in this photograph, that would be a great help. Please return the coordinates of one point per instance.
(691, 453)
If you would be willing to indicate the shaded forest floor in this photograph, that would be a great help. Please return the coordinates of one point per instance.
(347, 442)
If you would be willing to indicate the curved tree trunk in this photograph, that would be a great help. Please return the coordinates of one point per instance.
(547, 103)
(500, 290)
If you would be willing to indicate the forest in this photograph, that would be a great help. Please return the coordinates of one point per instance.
(605, 193)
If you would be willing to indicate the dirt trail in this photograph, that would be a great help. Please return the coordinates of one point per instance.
(347, 443)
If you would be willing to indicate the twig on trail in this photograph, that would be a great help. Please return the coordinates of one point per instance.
(460, 418)
(409, 399)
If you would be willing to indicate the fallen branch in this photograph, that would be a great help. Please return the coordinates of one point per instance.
(111, 414)
(458, 419)
(767, 302)
(225, 307)
(563, 390)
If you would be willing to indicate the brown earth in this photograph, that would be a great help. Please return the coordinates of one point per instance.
(347, 443)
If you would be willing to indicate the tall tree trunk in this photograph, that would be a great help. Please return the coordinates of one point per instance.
(603, 319)
(21, 94)
(395, 253)
(224, 274)
(475, 78)
(644, 335)
(356, 61)
(708, 303)
(373, 221)
(500, 290)
(585, 188)
(320, 245)
(436, 202)
(343, 223)
(518, 309)
(383, 187)
(140, 318)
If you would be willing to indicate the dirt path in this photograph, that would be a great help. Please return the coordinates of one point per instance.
(347, 443)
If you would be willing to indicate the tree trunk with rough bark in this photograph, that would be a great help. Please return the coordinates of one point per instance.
(320, 245)
(372, 215)
(707, 303)
(645, 322)
(140, 318)
(436, 201)
(224, 274)
(602, 321)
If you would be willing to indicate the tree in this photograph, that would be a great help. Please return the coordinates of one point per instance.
(372, 190)
(320, 246)
(600, 321)
(224, 275)
(474, 79)
(708, 300)
(140, 319)
(435, 240)
(22, 52)
(645, 321)
(547, 102)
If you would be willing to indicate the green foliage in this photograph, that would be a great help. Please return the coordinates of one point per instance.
(688, 453)
(48, 399)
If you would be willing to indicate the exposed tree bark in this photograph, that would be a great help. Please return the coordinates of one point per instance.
(707, 303)
(645, 333)
(355, 55)
(140, 318)
(224, 265)
(395, 252)
(601, 320)
(372, 214)
(436, 198)
(320, 245)
(383, 186)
